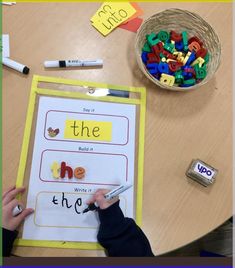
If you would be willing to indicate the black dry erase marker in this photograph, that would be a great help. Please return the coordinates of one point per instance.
(91, 207)
(72, 63)
(15, 65)
(17, 210)
(110, 195)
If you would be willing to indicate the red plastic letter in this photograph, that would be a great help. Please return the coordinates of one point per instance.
(63, 169)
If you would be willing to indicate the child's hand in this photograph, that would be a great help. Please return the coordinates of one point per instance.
(9, 202)
(98, 197)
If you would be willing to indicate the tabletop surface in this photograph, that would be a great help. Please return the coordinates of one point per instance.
(179, 126)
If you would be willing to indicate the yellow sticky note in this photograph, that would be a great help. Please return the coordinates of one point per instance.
(88, 130)
(102, 30)
(110, 15)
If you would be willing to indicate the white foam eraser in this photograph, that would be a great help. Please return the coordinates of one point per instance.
(5, 46)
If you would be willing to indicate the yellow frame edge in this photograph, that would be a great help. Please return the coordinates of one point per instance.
(156, 1)
(57, 244)
(28, 126)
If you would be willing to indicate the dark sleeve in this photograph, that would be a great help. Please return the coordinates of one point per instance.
(120, 236)
(8, 238)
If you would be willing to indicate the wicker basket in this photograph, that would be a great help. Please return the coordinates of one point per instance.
(180, 20)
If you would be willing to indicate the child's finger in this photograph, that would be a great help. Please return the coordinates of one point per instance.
(102, 191)
(91, 200)
(13, 203)
(99, 197)
(98, 194)
(104, 203)
(12, 194)
(26, 212)
(7, 191)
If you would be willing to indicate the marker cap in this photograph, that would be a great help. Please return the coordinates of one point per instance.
(25, 70)
(51, 64)
(17, 210)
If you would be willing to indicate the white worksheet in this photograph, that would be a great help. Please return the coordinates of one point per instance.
(79, 147)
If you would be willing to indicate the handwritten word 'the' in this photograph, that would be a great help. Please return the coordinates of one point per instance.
(60, 171)
(64, 202)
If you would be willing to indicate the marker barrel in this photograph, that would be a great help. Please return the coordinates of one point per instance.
(72, 63)
(15, 65)
(115, 192)
(110, 195)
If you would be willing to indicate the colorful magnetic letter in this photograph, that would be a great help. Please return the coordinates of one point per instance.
(167, 79)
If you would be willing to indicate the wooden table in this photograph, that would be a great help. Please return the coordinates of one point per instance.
(179, 126)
